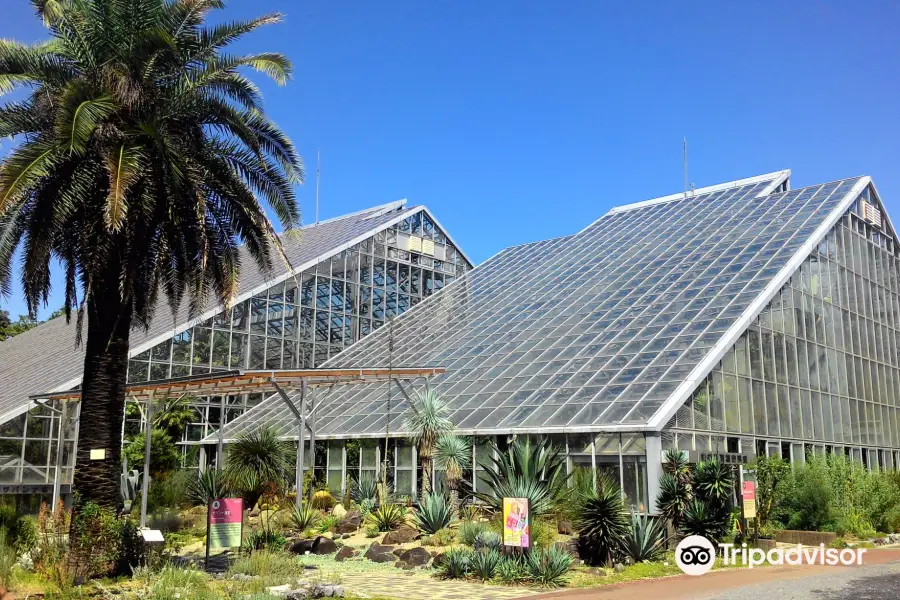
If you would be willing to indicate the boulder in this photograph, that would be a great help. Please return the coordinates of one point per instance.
(564, 527)
(302, 546)
(619, 567)
(323, 545)
(402, 565)
(349, 524)
(326, 590)
(380, 553)
(345, 553)
(415, 557)
(570, 547)
(339, 511)
(404, 535)
(437, 560)
(298, 594)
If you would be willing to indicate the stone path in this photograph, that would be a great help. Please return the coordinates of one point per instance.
(419, 586)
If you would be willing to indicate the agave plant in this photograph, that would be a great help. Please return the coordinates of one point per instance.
(527, 469)
(453, 455)
(388, 516)
(548, 567)
(456, 564)
(210, 485)
(433, 513)
(602, 523)
(645, 539)
(364, 489)
(484, 563)
(488, 540)
(306, 517)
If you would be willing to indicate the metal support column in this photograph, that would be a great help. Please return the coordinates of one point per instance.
(145, 484)
(301, 446)
(60, 446)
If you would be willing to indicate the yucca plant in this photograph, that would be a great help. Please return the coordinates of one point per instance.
(433, 513)
(713, 481)
(427, 420)
(457, 563)
(706, 519)
(484, 563)
(548, 567)
(210, 485)
(453, 455)
(645, 539)
(259, 457)
(602, 523)
(527, 469)
(469, 530)
(306, 517)
(673, 498)
(388, 517)
(675, 463)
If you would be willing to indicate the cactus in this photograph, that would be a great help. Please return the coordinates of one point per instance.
(129, 486)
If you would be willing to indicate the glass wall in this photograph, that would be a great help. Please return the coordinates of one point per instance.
(303, 322)
(28, 447)
(821, 362)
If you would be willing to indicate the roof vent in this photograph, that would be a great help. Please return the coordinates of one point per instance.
(871, 213)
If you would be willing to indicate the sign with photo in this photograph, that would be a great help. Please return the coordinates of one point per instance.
(516, 530)
(226, 519)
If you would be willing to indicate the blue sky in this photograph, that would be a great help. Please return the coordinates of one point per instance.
(519, 121)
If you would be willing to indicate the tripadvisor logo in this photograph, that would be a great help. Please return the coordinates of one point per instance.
(695, 555)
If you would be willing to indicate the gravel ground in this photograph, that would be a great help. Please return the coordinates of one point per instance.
(876, 582)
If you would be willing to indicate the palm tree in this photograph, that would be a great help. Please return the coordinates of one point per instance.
(141, 152)
(259, 462)
(426, 422)
(453, 455)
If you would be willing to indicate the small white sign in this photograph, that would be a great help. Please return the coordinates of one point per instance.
(98, 454)
(152, 536)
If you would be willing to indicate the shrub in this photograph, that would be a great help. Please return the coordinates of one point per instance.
(442, 537)
(483, 563)
(7, 561)
(700, 518)
(471, 512)
(456, 564)
(527, 469)
(488, 540)
(257, 461)
(543, 532)
(388, 516)
(171, 490)
(364, 490)
(175, 582)
(209, 485)
(372, 531)
(511, 569)
(164, 454)
(433, 513)
(469, 530)
(602, 523)
(673, 498)
(548, 567)
(328, 523)
(305, 517)
(271, 566)
(264, 539)
(645, 539)
(19, 531)
(323, 500)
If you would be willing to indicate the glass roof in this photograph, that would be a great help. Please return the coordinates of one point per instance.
(590, 331)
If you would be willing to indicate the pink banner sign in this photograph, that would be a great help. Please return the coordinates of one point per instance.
(226, 518)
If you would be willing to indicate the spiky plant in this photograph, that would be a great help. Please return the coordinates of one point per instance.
(548, 567)
(388, 517)
(210, 485)
(433, 513)
(257, 460)
(602, 524)
(645, 538)
(488, 540)
(484, 563)
(673, 499)
(306, 517)
(140, 157)
(527, 469)
(713, 481)
(364, 489)
(456, 564)
(426, 421)
(453, 455)
(705, 519)
(675, 463)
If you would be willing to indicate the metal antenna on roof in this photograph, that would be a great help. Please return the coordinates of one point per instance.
(684, 158)
(318, 177)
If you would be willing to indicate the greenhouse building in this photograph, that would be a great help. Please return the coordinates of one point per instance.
(735, 320)
(347, 277)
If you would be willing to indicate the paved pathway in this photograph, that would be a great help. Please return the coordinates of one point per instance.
(419, 586)
(877, 579)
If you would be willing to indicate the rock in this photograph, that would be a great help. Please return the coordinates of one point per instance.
(437, 560)
(404, 535)
(326, 590)
(350, 523)
(302, 546)
(564, 527)
(619, 567)
(398, 551)
(242, 577)
(278, 590)
(254, 512)
(570, 547)
(402, 565)
(323, 545)
(300, 594)
(347, 536)
(345, 553)
(597, 572)
(339, 511)
(416, 557)
(380, 553)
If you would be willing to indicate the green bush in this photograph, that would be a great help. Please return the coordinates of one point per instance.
(387, 517)
(602, 523)
(548, 567)
(19, 531)
(457, 563)
(264, 539)
(469, 530)
(433, 513)
(328, 523)
(442, 537)
(164, 454)
(483, 563)
(645, 539)
(209, 485)
(511, 569)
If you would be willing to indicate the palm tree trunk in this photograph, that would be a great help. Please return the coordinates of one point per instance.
(454, 497)
(103, 394)
(426, 476)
